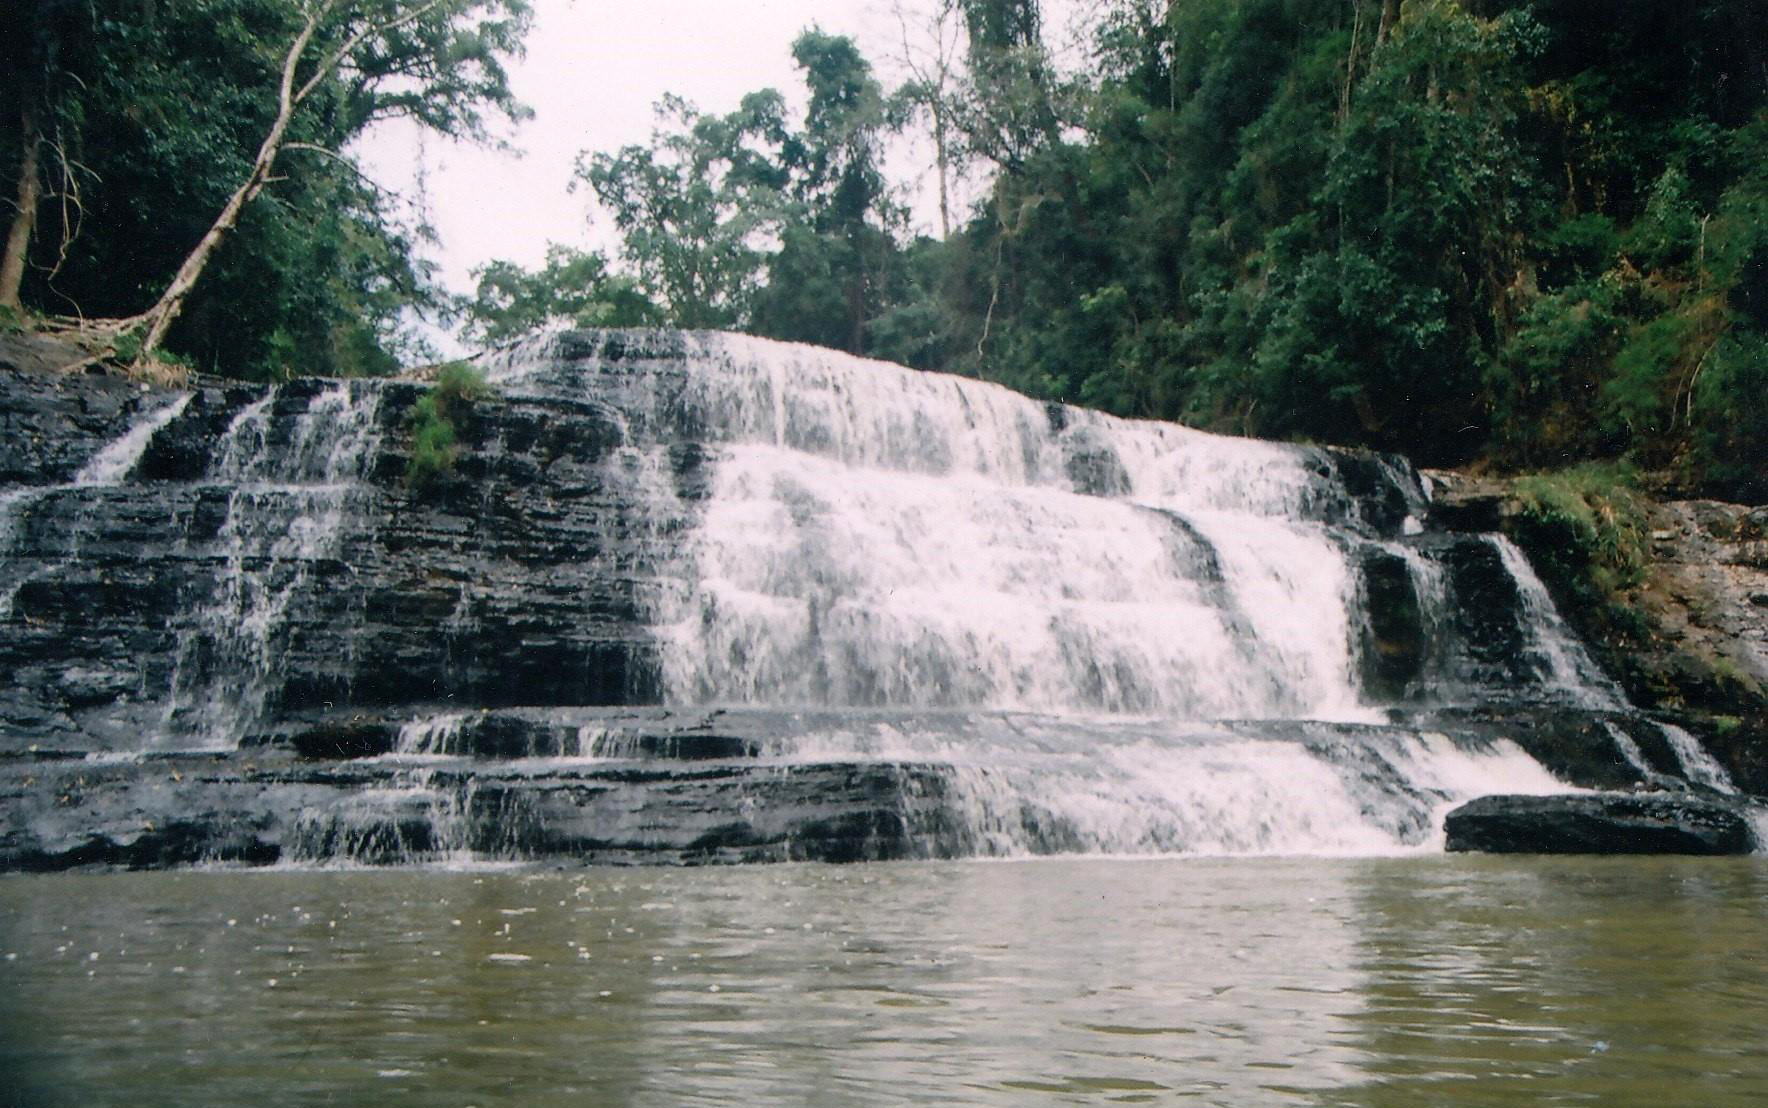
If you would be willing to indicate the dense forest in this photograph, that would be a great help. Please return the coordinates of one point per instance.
(1524, 233)
(128, 127)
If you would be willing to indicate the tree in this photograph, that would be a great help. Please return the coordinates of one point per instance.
(39, 63)
(837, 250)
(381, 49)
(1010, 108)
(932, 61)
(574, 288)
(1383, 312)
(696, 206)
(207, 104)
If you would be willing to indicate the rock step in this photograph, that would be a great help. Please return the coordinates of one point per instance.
(236, 808)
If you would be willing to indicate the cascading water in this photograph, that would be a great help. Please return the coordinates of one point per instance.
(106, 469)
(701, 597)
(948, 553)
(1698, 766)
(286, 510)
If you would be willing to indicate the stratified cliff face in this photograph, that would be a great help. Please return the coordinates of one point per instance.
(261, 560)
(704, 598)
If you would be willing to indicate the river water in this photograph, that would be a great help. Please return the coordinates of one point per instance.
(1377, 981)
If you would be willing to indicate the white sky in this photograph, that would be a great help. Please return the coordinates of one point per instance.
(593, 70)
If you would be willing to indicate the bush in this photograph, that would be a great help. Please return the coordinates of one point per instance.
(1592, 521)
(434, 448)
(461, 382)
(1730, 416)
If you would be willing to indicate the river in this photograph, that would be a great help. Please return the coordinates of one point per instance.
(1417, 980)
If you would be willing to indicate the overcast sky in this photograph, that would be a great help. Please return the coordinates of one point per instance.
(593, 70)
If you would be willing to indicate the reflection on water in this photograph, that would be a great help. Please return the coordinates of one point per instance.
(1225, 982)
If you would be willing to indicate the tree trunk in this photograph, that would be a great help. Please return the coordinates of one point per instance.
(856, 303)
(165, 310)
(1390, 15)
(941, 158)
(1350, 64)
(24, 221)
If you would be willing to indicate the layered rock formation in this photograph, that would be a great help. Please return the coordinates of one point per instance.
(946, 620)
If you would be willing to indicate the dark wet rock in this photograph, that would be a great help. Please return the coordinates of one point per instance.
(1600, 823)
(187, 809)
(1463, 502)
(52, 424)
(1382, 488)
(1495, 650)
(1091, 464)
(510, 584)
(340, 740)
(1394, 641)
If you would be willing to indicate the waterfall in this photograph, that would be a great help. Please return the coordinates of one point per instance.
(1568, 666)
(288, 504)
(946, 552)
(872, 536)
(1697, 764)
(722, 596)
(109, 467)
(118, 459)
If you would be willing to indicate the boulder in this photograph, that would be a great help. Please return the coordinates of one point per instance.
(1601, 823)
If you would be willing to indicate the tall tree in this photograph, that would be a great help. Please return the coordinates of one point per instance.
(1011, 106)
(931, 51)
(696, 206)
(834, 264)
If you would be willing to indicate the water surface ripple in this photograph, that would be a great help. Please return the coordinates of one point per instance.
(1324, 982)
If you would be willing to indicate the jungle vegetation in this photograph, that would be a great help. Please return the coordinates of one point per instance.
(1527, 233)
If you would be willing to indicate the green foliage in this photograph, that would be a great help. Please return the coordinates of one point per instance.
(838, 261)
(1592, 519)
(1730, 406)
(150, 116)
(695, 206)
(459, 383)
(1587, 533)
(433, 421)
(1490, 229)
(574, 288)
(433, 449)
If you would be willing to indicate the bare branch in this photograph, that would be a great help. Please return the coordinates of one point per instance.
(331, 60)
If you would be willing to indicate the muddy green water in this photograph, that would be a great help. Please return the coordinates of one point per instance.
(1400, 981)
